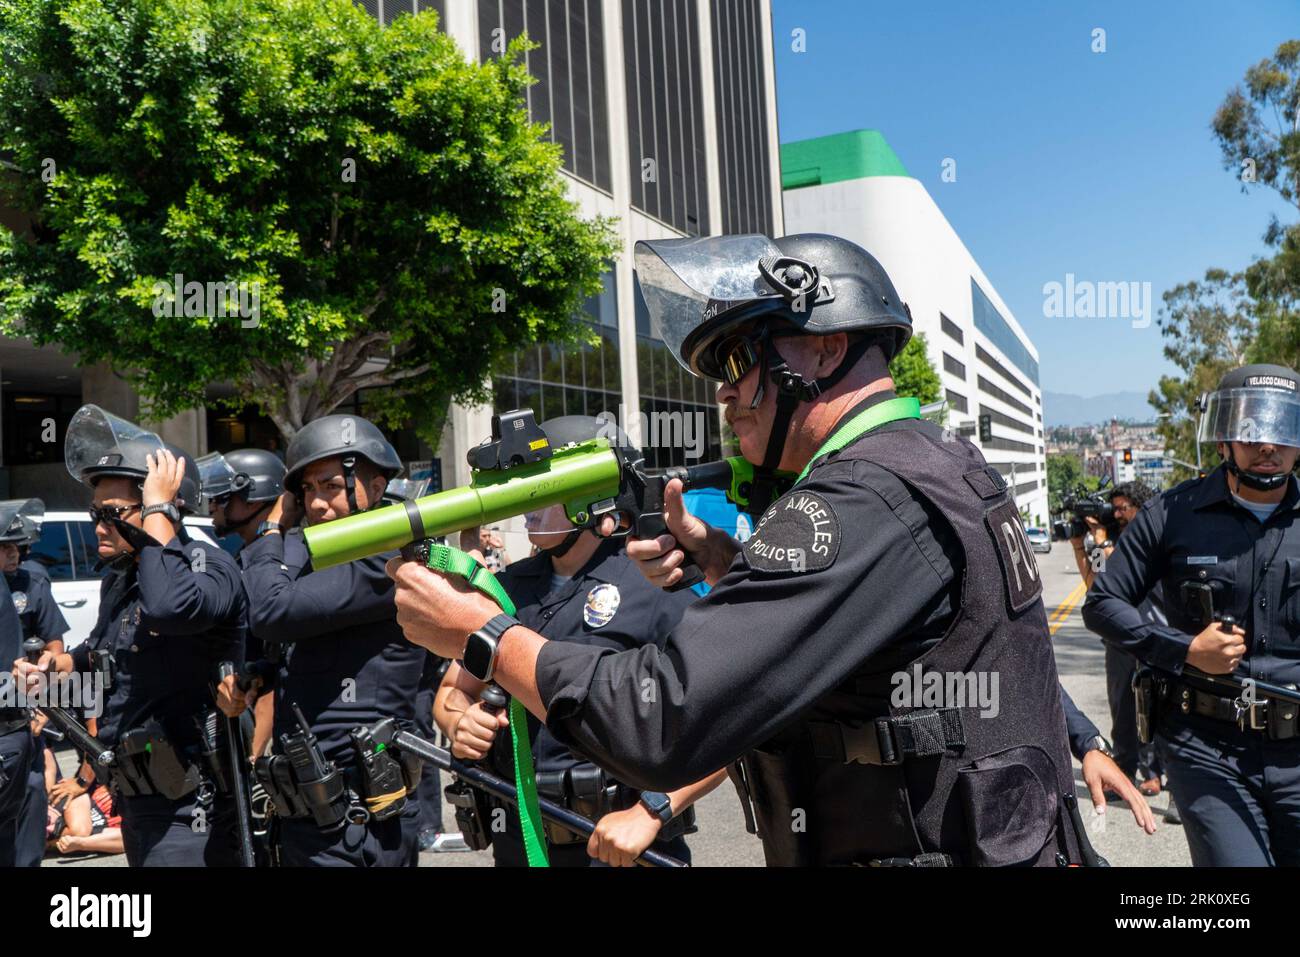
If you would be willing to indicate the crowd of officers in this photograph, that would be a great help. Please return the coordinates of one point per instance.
(898, 550)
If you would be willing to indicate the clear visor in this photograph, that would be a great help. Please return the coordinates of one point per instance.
(408, 490)
(215, 475)
(29, 512)
(1251, 415)
(94, 437)
(680, 277)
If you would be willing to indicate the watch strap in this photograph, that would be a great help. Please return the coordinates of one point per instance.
(167, 508)
(658, 804)
(498, 626)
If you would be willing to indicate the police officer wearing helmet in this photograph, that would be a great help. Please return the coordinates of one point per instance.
(1226, 549)
(170, 612)
(582, 589)
(899, 554)
(240, 488)
(345, 663)
(16, 743)
(41, 618)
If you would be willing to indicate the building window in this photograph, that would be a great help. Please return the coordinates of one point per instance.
(987, 358)
(988, 388)
(25, 426)
(990, 322)
(952, 329)
(661, 52)
(957, 401)
(740, 95)
(1008, 421)
(952, 365)
(569, 65)
(386, 11)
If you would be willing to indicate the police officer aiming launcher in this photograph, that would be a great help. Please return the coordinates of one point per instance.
(1226, 549)
(898, 551)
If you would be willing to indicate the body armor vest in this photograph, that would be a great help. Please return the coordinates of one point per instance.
(937, 785)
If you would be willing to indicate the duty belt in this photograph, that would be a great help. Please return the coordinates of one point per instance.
(1277, 719)
(889, 741)
(11, 719)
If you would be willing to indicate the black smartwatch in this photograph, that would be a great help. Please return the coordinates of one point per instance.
(167, 508)
(657, 803)
(266, 527)
(480, 658)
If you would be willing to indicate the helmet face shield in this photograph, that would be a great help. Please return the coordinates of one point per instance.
(1252, 415)
(687, 282)
(20, 520)
(95, 439)
(216, 476)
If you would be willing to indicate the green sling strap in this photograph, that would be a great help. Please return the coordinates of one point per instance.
(891, 410)
(453, 561)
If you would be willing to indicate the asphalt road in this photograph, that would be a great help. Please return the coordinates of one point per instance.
(723, 842)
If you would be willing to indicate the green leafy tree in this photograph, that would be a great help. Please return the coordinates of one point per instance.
(393, 219)
(913, 374)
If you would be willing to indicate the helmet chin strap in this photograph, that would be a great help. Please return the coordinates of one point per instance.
(1255, 480)
(566, 543)
(791, 389)
(231, 527)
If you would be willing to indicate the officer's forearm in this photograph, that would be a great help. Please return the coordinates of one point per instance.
(1120, 624)
(516, 669)
(683, 798)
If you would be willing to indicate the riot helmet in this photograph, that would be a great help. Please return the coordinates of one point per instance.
(99, 444)
(1254, 404)
(20, 521)
(349, 437)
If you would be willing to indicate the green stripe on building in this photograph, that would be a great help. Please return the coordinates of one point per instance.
(838, 157)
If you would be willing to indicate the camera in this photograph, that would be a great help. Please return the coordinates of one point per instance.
(1083, 504)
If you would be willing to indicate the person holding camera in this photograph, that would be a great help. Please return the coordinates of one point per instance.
(1091, 550)
(1227, 549)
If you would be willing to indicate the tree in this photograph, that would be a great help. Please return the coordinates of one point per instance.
(380, 210)
(913, 374)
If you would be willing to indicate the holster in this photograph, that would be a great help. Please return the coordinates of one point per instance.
(380, 774)
(473, 810)
(324, 800)
(1145, 701)
(147, 763)
(212, 751)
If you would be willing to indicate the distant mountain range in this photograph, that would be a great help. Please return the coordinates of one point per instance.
(1062, 408)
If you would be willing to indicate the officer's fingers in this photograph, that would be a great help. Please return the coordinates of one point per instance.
(1097, 791)
(465, 752)
(593, 843)
(683, 525)
(648, 549)
(1137, 804)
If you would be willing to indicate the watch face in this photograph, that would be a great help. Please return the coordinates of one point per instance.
(480, 651)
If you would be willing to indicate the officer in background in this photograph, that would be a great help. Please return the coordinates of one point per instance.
(241, 488)
(1225, 545)
(899, 551)
(41, 618)
(583, 589)
(16, 742)
(345, 662)
(170, 612)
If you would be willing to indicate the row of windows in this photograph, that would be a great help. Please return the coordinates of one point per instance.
(952, 365)
(957, 401)
(990, 322)
(569, 66)
(952, 329)
(987, 358)
(988, 388)
(1008, 421)
(1024, 487)
(386, 11)
(1007, 445)
(740, 95)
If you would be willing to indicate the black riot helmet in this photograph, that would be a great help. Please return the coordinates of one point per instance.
(702, 293)
(1254, 403)
(99, 444)
(255, 475)
(565, 430)
(350, 437)
(20, 521)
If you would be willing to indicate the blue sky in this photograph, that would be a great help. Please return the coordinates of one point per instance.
(1068, 161)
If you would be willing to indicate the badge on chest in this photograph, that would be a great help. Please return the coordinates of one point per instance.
(601, 605)
(20, 601)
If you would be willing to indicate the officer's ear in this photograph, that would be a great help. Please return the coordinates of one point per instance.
(833, 349)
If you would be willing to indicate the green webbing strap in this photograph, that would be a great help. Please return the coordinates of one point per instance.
(890, 410)
(453, 561)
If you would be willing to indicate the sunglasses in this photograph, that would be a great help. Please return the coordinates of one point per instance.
(107, 513)
(736, 356)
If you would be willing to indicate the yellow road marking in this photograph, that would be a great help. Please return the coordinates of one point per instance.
(1062, 611)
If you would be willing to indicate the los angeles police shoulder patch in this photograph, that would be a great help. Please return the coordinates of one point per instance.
(602, 605)
(799, 533)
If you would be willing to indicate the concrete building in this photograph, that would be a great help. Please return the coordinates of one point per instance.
(854, 185)
(666, 110)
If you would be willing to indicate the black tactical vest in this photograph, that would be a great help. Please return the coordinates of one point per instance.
(937, 785)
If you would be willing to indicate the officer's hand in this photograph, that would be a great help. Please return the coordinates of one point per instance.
(472, 736)
(65, 788)
(1217, 650)
(230, 698)
(660, 559)
(32, 678)
(285, 511)
(435, 611)
(622, 836)
(1102, 774)
(164, 479)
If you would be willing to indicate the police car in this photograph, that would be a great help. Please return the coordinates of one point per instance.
(67, 552)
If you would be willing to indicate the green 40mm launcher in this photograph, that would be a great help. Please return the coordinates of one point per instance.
(518, 470)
